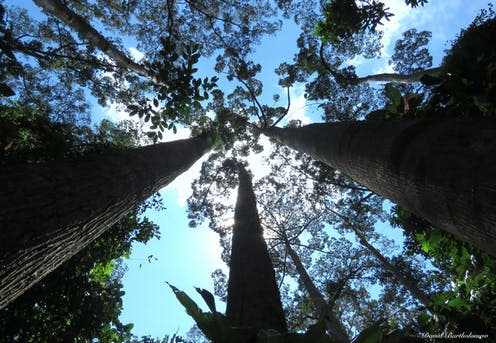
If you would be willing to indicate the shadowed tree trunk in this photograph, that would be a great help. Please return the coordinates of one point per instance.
(86, 32)
(440, 169)
(253, 299)
(333, 324)
(49, 212)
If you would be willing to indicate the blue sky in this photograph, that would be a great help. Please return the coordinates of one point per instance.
(187, 257)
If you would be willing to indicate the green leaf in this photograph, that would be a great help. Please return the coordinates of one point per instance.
(218, 143)
(457, 303)
(211, 324)
(208, 297)
(426, 246)
(155, 102)
(371, 334)
(394, 95)
(191, 307)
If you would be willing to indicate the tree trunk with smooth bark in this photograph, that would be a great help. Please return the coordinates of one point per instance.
(253, 299)
(440, 169)
(398, 78)
(58, 9)
(49, 212)
(333, 324)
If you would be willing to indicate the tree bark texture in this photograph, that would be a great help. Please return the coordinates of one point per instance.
(333, 324)
(58, 9)
(440, 169)
(253, 299)
(398, 78)
(49, 212)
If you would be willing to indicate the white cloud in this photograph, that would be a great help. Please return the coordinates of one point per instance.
(182, 133)
(443, 18)
(116, 112)
(297, 108)
(136, 54)
(394, 27)
(392, 30)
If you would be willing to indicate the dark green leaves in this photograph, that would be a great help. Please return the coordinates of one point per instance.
(208, 297)
(415, 3)
(179, 94)
(343, 18)
(6, 90)
(394, 95)
(372, 334)
(212, 324)
(217, 328)
(394, 109)
(191, 307)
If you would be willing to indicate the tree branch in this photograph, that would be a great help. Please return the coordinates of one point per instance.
(285, 112)
(58, 9)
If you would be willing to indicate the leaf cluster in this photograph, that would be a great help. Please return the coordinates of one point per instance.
(468, 304)
(464, 87)
(179, 93)
(470, 85)
(216, 327)
(343, 18)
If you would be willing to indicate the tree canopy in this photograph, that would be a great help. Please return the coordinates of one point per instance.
(337, 269)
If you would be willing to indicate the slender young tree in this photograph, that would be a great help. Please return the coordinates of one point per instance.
(51, 211)
(401, 277)
(333, 324)
(351, 212)
(442, 170)
(253, 298)
(287, 217)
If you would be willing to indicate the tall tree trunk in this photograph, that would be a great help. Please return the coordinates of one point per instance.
(49, 212)
(58, 9)
(398, 78)
(333, 324)
(440, 169)
(253, 299)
